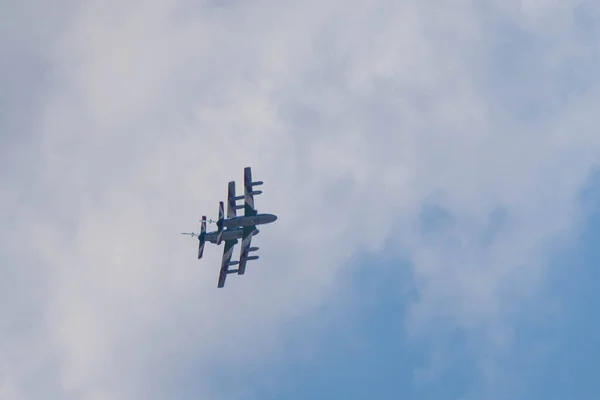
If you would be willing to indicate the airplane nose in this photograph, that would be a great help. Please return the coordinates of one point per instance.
(267, 218)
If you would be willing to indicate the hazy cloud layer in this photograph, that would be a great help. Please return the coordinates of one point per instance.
(458, 135)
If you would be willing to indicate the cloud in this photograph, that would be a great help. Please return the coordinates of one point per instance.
(358, 118)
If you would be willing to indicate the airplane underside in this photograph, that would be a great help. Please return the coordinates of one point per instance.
(228, 234)
(260, 219)
(232, 228)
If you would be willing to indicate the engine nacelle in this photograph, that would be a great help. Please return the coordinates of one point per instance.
(250, 258)
(230, 263)
(252, 249)
(257, 183)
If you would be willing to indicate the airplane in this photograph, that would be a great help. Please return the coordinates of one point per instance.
(251, 218)
(234, 227)
(248, 222)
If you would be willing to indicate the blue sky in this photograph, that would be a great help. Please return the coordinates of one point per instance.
(433, 167)
(366, 353)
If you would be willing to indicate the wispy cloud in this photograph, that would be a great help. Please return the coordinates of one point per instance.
(360, 118)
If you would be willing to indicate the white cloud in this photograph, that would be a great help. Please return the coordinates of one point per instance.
(354, 116)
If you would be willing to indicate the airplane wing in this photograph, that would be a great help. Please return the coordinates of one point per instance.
(232, 207)
(249, 209)
(226, 262)
(249, 231)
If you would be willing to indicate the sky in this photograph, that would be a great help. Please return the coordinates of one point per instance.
(434, 168)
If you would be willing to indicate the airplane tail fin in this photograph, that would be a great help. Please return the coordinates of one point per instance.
(201, 237)
(220, 223)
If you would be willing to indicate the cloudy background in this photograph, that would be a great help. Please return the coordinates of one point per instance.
(433, 167)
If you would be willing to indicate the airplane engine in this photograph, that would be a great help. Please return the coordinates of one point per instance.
(250, 258)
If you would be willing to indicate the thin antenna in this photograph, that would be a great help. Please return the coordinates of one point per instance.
(192, 234)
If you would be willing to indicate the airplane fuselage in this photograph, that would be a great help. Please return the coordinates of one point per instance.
(258, 219)
(228, 234)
